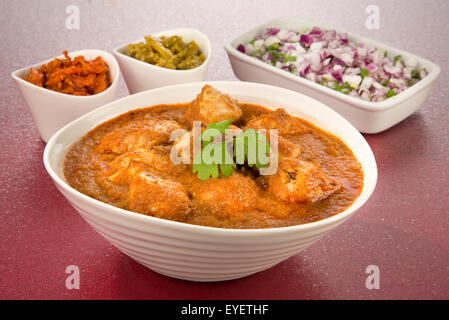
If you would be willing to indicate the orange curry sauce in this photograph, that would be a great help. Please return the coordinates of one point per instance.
(147, 182)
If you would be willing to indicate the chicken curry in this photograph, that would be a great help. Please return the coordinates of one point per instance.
(126, 162)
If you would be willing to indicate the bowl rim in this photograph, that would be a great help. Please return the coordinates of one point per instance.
(72, 54)
(143, 64)
(196, 229)
(356, 102)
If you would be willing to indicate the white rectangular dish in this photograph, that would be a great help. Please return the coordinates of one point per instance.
(366, 116)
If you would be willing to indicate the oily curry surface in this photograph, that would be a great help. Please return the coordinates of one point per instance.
(126, 162)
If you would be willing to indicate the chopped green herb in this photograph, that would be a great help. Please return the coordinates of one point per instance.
(256, 53)
(252, 41)
(274, 46)
(289, 58)
(364, 73)
(337, 85)
(396, 59)
(390, 93)
(342, 87)
(415, 74)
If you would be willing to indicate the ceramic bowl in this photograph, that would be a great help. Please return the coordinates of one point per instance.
(52, 110)
(202, 253)
(140, 76)
(366, 116)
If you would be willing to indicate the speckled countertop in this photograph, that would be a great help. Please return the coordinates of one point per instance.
(403, 229)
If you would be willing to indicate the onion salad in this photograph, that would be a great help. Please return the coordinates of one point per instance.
(332, 60)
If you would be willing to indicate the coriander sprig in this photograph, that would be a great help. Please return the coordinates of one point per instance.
(250, 148)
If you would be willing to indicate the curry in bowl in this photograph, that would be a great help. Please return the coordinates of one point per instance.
(127, 162)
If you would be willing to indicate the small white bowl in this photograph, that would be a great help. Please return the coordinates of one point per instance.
(366, 116)
(52, 110)
(201, 253)
(140, 76)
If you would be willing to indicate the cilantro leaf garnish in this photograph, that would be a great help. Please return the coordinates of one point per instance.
(201, 165)
(204, 170)
(210, 132)
(227, 169)
(255, 148)
(250, 148)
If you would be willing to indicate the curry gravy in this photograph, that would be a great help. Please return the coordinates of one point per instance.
(241, 201)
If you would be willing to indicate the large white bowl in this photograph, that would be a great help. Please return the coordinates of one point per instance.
(366, 116)
(52, 110)
(194, 252)
(140, 76)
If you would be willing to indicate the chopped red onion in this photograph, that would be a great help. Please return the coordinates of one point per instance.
(307, 39)
(272, 31)
(333, 60)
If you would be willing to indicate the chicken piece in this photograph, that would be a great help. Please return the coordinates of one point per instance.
(280, 120)
(288, 148)
(120, 170)
(228, 195)
(183, 147)
(234, 130)
(156, 159)
(162, 198)
(300, 181)
(212, 106)
(142, 178)
(136, 135)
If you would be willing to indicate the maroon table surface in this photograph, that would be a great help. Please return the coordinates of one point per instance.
(403, 229)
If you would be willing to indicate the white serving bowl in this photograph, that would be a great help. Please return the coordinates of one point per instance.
(366, 116)
(52, 110)
(140, 76)
(201, 253)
